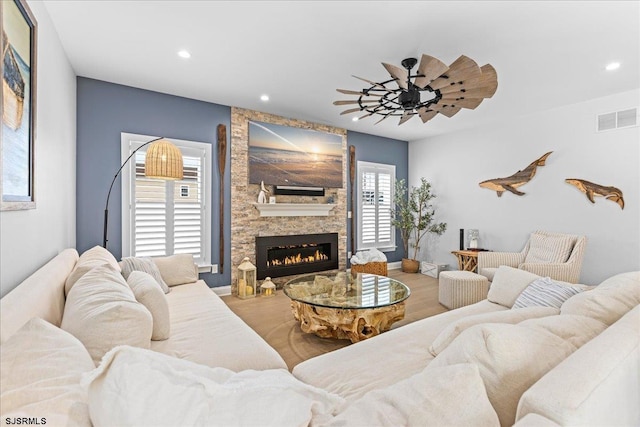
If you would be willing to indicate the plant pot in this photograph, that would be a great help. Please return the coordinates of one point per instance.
(410, 265)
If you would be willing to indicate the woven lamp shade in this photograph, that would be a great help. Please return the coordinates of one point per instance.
(163, 161)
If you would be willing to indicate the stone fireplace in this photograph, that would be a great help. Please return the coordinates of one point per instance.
(246, 222)
(278, 256)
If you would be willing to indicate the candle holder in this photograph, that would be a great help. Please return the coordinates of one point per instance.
(246, 284)
(268, 288)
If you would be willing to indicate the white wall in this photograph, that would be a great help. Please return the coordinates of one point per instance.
(30, 238)
(456, 163)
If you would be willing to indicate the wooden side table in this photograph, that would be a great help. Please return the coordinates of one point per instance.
(467, 260)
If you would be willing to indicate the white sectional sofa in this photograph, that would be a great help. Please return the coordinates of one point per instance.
(484, 364)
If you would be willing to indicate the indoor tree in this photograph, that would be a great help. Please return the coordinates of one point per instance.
(414, 217)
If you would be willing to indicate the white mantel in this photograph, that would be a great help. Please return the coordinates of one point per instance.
(294, 209)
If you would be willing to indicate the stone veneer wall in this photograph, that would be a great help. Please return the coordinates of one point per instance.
(246, 222)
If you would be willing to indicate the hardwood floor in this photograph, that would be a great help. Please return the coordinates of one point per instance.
(272, 319)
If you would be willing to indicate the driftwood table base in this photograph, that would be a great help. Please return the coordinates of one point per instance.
(345, 323)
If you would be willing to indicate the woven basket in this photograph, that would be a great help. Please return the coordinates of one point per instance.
(375, 267)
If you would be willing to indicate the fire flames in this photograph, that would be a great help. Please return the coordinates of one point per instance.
(298, 259)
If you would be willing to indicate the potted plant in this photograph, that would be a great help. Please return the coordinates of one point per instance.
(414, 217)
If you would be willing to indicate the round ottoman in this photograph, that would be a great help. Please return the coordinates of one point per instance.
(460, 288)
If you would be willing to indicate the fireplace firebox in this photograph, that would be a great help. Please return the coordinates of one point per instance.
(278, 256)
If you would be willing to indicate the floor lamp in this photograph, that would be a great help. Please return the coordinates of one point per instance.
(163, 160)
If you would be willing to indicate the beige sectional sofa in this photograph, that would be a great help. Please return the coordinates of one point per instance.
(483, 364)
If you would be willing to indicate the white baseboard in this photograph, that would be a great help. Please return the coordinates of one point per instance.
(394, 265)
(222, 290)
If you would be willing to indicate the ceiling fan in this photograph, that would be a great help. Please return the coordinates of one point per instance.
(435, 88)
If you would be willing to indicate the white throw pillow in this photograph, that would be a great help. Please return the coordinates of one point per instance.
(147, 291)
(94, 257)
(40, 371)
(609, 301)
(452, 331)
(177, 269)
(447, 396)
(549, 249)
(544, 292)
(508, 283)
(145, 264)
(511, 358)
(136, 387)
(102, 313)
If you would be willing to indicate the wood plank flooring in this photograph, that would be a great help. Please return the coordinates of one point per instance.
(272, 319)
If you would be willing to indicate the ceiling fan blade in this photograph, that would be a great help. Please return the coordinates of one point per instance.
(381, 119)
(426, 115)
(355, 101)
(349, 92)
(372, 83)
(350, 110)
(481, 92)
(461, 69)
(470, 103)
(405, 117)
(400, 74)
(355, 92)
(431, 68)
(365, 116)
(449, 110)
(487, 80)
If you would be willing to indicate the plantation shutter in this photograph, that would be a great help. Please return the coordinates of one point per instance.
(169, 215)
(189, 209)
(375, 195)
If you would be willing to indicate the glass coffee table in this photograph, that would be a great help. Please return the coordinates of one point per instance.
(346, 306)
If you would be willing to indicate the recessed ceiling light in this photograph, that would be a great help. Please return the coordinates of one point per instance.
(354, 119)
(264, 98)
(184, 54)
(613, 66)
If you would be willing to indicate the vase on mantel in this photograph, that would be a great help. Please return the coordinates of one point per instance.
(410, 265)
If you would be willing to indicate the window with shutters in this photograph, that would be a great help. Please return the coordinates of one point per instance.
(167, 217)
(375, 195)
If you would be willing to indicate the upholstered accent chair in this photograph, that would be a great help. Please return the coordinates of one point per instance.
(558, 256)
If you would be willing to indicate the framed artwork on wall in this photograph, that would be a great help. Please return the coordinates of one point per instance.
(18, 97)
(290, 156)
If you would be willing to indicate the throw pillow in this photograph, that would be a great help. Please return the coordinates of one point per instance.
(511, 358)
(549, 249)
(145, 264)
(40, 369)
(177, 269)
(102, 313)
(508, 283)
(428, 398)
(544, 292)
(147, 291)
(137, 387)
(609, 301)
(452, 331)
(94, 257)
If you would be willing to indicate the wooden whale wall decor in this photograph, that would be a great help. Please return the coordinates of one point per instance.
(511, 183)
(590, 189)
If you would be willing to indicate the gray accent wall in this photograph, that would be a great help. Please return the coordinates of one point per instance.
(377, 149)
(104, 110)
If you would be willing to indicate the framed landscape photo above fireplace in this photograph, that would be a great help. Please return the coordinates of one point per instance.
(289, 156)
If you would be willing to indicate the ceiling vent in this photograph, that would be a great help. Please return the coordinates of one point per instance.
(617, 120)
